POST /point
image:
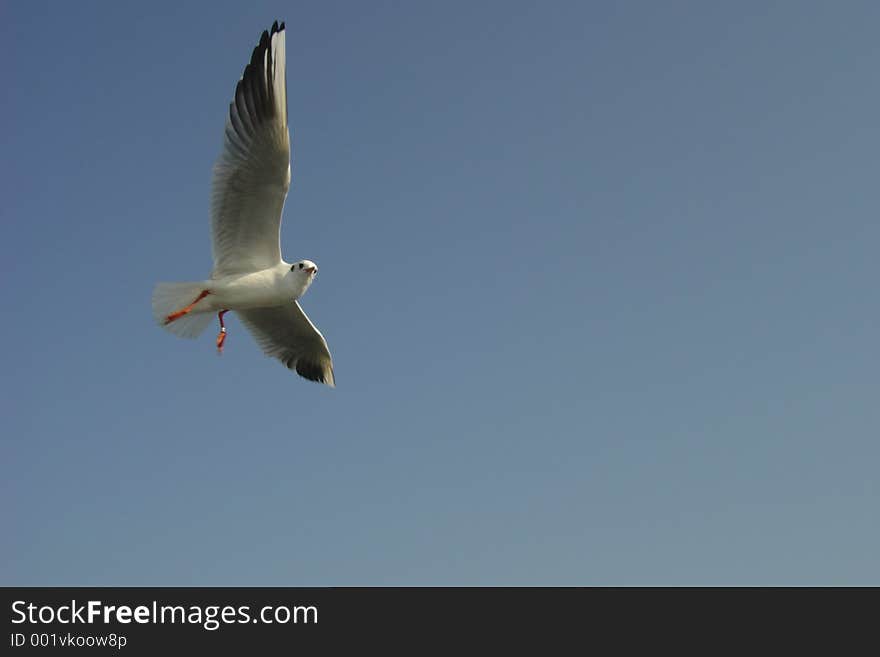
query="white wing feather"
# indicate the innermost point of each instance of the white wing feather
(286, 333)
(252, 174)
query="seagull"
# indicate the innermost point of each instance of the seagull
(249, 186)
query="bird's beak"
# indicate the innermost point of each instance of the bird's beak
(312, 270)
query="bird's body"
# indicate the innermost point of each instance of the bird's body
(251, 179)
(268, 287)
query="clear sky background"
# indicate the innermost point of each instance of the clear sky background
(600, 281)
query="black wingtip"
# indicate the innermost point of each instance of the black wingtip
(313, 371)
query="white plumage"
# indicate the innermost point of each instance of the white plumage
(250, 183)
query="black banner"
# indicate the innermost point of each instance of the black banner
(135, 621)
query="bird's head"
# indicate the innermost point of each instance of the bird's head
(301, 275)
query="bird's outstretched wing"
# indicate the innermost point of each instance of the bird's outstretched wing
(285, 333)
(252, 174)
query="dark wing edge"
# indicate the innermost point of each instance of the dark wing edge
(260, 95)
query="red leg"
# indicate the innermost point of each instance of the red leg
(221, 337)
(177, 314)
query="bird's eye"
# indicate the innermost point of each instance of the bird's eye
(292, 267)
(300, 265)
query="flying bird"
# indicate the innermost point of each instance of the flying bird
(249, 186)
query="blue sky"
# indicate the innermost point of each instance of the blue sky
(599, 280)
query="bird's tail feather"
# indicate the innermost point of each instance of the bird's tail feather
(169, 298)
